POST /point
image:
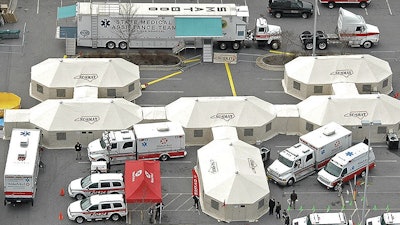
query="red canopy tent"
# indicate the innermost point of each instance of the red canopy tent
(142, 182)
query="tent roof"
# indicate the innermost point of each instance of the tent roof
(338, 69)
(85, 114)
(203, 112)
(142, 181)
(232, 172)
(350, 110)
(73, 72)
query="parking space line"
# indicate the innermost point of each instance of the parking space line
(228, 72)
(390, 10)
(183, 205)
(179, 195)
(179, 92)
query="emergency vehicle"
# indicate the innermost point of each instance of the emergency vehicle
(389, 218)
(146, 141)
(323, 219)
(347, 164)
(97, 183)
(22, 166)
(351, 30)
(331, 3)
(311, 154)
(98, 207)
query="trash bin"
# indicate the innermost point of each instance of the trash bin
(392, 141)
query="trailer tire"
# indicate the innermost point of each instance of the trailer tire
(306, 32)
(110, 45)
(123, 45)
(275, 45)
(164, 157)
(114, 217)
(79, 196)
(290, 182)
(236, 45)
(322, 45)
(278, 15)
(5, 202)
(308, 45)
(222, 46)
(79, 219)
(363, 5)
(367, 45)
(331, 5)
(305, 15)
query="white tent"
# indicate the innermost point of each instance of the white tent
(57, 78)
(198, 114)
(348, 111)
(310, 75)
(233, 183)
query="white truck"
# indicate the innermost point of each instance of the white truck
(388, 218)
(311, 154)
(323, 219)
(162, 25)
(351, 30)
(345, 165)
(22, 166)
(147, 141)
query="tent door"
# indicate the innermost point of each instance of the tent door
(86, 137)
(239, 212)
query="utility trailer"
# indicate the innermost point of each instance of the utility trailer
(351, 30)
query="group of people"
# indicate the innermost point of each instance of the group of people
(278, 208)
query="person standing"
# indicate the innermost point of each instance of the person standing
(340, 187)
(293, 199)
(196, 201)
(278, 210)
(78, 148)
(285, 217)
(271, 206)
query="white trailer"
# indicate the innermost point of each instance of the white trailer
(163, 25)
(22, 166)
(150, 141)
(351, 30)
(311, 154)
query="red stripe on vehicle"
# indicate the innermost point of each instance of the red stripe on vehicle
(18, 193)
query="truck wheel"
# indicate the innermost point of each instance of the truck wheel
(363, 5)
(278, 15)
(275, 45)
(306, 32)
(308, 45)
(164, 157)
(110, 45)
(222, 46)
(79, 197)
(367, 44)
(304, 15)
(122, 45)
(236, 45)
(79, 219)
(290, 182)
(322, 45)
(114, 217)
(331, 5)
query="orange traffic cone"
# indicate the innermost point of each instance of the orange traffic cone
(62, 192)
(60, 216)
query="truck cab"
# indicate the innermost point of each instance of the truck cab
(323, 219)
(267, 34)
(389, 218)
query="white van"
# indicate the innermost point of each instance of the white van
(322, 219)
(345, 165)
(98, 207)
(390, 218)
(97, 183)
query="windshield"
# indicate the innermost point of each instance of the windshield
(333, 169)
(86, 181)
(285, 161)
(308, 220)
(85, 203)
(383, 220)
(102, 143)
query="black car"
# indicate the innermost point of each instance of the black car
(278, 8)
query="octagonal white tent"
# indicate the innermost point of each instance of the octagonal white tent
(310, 75)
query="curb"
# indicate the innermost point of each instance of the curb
(260, 62)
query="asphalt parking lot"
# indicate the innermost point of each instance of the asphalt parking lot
(200, 80)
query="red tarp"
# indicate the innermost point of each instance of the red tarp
(142, 181)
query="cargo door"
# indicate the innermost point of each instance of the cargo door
(240, 32)
(238, 212)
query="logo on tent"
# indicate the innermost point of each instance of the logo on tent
(345, 72)
(358, 114)
(224, 116)
(88, 77)
(88, 119)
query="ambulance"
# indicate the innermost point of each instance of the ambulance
(98, 207)
(323, 219)
(347, 164)
(389, 218)
(22, 166)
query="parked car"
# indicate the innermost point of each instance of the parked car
(279, 8)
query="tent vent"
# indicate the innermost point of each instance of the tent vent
(213, 167)
(328, 131)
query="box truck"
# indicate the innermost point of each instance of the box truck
(338, 218)
(347, 164)
(351, 30)
(311, 154)
(388, 218)
(22, 166)
(146, 141)
(162, 25)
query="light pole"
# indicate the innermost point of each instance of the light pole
(315, 28)
(369, 124)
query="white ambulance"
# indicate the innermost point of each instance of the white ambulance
(97, 183)
(390, 218)
(345, 165)
(98, 207)
(323, 219)
(22, 166)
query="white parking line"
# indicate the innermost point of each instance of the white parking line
(387, 160)
(179, 92)
(37, 7)
(390, 10)
(274, 92)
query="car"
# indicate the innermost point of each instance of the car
(279, 8)
(98, 207)
(97, 183)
